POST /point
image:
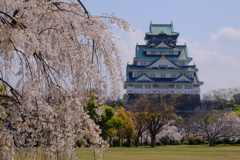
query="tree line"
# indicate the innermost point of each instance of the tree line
(152, 120)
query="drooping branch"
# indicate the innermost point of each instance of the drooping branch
(86, 12)
(47, 69)
(17, 50)
(13, 91)
(13, 21)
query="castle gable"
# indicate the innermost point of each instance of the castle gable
(162, 45)
(162, 62)
(143, 77)
(183, 78)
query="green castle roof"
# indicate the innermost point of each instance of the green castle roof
(156, 29)
(140, 54)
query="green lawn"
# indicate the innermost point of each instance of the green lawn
(181, 152)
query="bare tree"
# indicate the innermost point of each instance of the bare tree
(219, 99)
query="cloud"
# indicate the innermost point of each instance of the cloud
(227, 33)
(227, 40)
(126, 45)
(204, 55)
(218, 61)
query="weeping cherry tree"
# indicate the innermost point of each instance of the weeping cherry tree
(53, 52)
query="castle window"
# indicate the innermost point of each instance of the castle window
(163, 86)
(171, 86)
(147, 86)
(152, 75)
(179, 87)
(138, 86)
(188, 87)
(171, 53)
(162, 66)
(155, 86)
(136, 74)
(189, 75)
(143, 63)
(153, 52)
(173, 76)
(182, 64)
(163, 75)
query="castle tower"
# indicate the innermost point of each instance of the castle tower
(161, 66)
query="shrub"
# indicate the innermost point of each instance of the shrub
(186, 142)
(190, 140)
(194, 140)
(159, 143)
(126, 144)
(146, 143)
(198, 140)
(80, 143)
(177, 143)
(218, 141)
(238, 141)
(115, 143)
(226, 141)
(165, 140)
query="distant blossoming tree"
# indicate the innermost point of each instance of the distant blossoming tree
(170, 131)
(214, 125)
(52, 52)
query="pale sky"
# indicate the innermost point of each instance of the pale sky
(210, 28)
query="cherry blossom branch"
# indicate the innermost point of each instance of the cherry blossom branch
(86, 12)
(13, 91)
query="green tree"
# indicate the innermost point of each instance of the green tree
(236, 108)
(139, 127)
(128, 129)
(107, 121)
(155, 112)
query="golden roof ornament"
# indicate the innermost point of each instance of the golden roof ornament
(171, 22)
(152, 45)
(185, 43)
(150, 22)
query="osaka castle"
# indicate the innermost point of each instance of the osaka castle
(161, 66)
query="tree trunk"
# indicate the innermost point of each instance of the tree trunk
(128, 141)
(137, 142)
(110, 141)
(153, 139)
(211, 142)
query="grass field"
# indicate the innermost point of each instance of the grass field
(181, 152)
